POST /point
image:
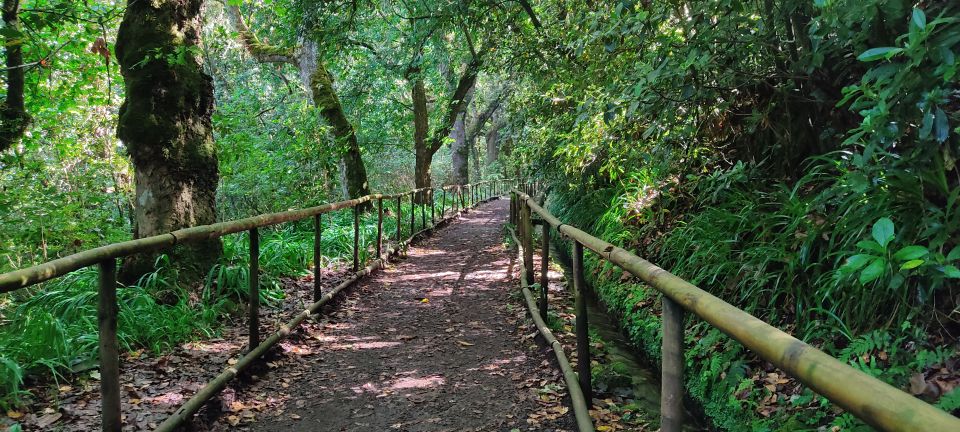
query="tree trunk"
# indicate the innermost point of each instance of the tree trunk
(421, 177)
(317, 79)
(460, 153)
(165, 125)
(493, 135)
(13, 114)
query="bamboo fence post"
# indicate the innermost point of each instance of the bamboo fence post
(399, 223)
(544, 267)
(527, 240)
(423, 210)
(254, 289)
(583, 338)
(317, 231)
(379, 228)
(107, 309)
(433, 209)
(443, 204)
(413, 214)
(671, 399)
(356, 239)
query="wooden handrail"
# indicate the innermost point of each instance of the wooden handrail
(869, 399)
(105, 257)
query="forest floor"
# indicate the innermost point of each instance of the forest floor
(433, 342)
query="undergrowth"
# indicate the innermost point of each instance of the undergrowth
(811, 257)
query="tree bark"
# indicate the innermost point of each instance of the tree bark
(424, 157)
(319, 82)
(317, 79)
(13, 114)
(492, 138)
(460, 153)
(165, 125)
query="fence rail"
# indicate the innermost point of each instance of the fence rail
(869, 399)
(463, 196)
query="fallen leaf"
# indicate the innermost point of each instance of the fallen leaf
(464, 343)
(14, 414)
(48, 420)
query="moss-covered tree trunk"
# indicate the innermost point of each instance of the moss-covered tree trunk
(460, 153)
(319, 82)
(165, 125)
(317, 79)
(422, 176)
(492, 140)
(13, 113)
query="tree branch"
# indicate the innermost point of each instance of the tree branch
(260, 51)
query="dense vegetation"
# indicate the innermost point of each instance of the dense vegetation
(798, 159)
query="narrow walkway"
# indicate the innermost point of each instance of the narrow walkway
(433, 343)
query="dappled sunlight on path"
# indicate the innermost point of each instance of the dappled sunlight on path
(431, 343)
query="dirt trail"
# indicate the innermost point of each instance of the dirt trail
(432, 343)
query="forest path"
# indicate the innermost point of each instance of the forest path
(432, 343)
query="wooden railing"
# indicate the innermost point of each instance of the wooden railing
(869, 399)
(105, 257)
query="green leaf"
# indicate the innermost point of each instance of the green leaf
(910, 253)
(927, 125)
(954, 253)
(941, 126)
(919, 19)
(871, 246)
(873, 271)
(883, 231)
(951, 272)
(911, 264)
(874, 54)
(856, 262)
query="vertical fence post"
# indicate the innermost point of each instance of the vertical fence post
(671, 398)
(527, 239)
(423, 210)
(379, 228)
(356, 239)
(107, 309)
(317, 230)
(433, 209)
(399, 223)
(544, 267)
(413, 213)
(254, 290)
(583, 338)
(443, 203)
(456, 199)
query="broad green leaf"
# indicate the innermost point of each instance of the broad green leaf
(919, 19)
(896, 281)
(874, 54)
(871, 246)
(941, 126)
(951, 272)
(954, 253)
(911, 264)
(910, 253)
(883, 231)
(856, 262)
(873, 271)
(926, 125)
